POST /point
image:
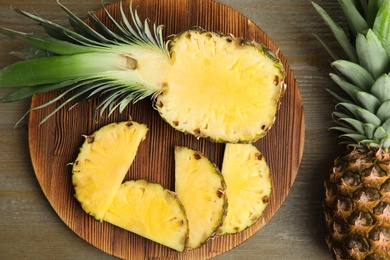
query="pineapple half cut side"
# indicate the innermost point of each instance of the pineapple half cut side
(248, 187)
(102, 163)
(201, 188)
(151, 211)
(204, 83)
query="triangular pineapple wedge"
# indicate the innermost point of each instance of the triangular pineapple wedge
(248, 186)
(102, 164)
(201, 188)
(150, 210)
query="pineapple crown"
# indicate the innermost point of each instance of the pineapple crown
(362, 113)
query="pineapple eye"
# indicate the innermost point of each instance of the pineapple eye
(265, 199)
(276, 80)
(197, 156)
(358, 243)
(90, 139)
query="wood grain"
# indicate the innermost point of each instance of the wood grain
(55, 144)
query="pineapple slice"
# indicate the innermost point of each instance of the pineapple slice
(201, 189)
(248, 186)
(102, 164)
(151, 211)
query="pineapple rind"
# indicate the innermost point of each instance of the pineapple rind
(248, 187)
(102, 164)
(151, 211)
(357, 205)
(201, 188)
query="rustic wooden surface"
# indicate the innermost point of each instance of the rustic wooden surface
(30, 229)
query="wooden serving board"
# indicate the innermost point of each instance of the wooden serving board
(55, 144)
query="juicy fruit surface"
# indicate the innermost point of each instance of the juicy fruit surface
(102, 164)
(248, 186)
(200, 187)
(151, 211)
(221, 87)
(357, 206)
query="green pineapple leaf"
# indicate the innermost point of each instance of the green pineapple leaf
(380, 133)
(356, 137)
(372, 55)
(358, 125)
(345, 130)
(381, 88)
(386, 126)
(382, 25)
(338, 33)
(349, 88)
(355, 20)
(338, 97)
(372, 10)
(327, 47)
(368, 101)
(384, 110)
(369, 117)
(354, 73)
(369, 130)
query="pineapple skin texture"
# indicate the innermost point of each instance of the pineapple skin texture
(357, 206)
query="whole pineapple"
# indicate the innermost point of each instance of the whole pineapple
(357, 200)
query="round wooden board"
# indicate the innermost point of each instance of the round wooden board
(55, 144)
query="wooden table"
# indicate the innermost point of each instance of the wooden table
(30, 229)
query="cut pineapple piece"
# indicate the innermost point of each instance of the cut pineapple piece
(151, 211)
(221, 87)
(201, 189)
(102, 164)
(248, 186)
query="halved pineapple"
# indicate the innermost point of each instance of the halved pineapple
(248, 186)
(221, 87)
(201, 188)
(102, 164)
(150, 210)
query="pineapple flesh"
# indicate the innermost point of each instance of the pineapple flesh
(203, 83)
(357, 192)
(151, 211)
(102, 163)
(201, 188)
(248, 186)
(221, 87)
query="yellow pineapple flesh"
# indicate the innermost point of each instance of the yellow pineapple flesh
(102, 163)
(151, 211)
(221, 87)
(248, 186)
(201, 188)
